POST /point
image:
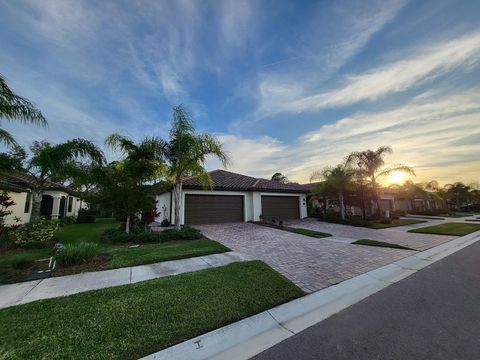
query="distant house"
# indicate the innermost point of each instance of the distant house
(390, 199)
(234, 198)
(58, 201)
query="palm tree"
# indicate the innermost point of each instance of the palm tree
(458, 193)
(52, 162)
(187, 152)
(14, 107)
(372, 163)
(339, 179)
(131, 190)
(320, 192)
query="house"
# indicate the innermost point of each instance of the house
(390, 199)
(58, 201)
(234, 198)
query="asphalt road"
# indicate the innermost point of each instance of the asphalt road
(433, 314)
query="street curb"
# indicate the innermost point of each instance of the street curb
(248, 337)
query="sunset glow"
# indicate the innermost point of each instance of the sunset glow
(397, 177)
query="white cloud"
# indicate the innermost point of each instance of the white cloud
(428, 133)
(260, 156)
(317, 58)
(423, 66)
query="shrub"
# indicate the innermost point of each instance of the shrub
(38, 233)
(67, 220)
(385, 221)
(398, 213)
(138, 236)
(76, 254)
(87, 212)
(85, 219)
(434, 212)
(22, 262)
(165, 223)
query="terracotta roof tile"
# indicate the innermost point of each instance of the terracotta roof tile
(229, 181)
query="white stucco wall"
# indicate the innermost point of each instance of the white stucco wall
(163, 207)
(252, 203)
(18, 209)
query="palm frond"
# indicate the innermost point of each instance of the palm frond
(398, 167)
(14, 107)
(7, 138)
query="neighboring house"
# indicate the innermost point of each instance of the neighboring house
(234, 198)
(390, 199)
(58, 201)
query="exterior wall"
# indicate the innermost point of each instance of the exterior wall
(252, 203)
(18, 209)
(163, 207)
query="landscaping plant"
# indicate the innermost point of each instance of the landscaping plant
(40, 232)
(76, 254)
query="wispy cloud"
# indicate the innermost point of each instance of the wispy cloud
(317, 58)
(410, 71)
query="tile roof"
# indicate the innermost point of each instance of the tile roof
(19, 182)
(229, 181)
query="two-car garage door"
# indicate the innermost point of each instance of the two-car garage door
(211, 209)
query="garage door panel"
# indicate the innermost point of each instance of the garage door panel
(280, 207)
(212, 209)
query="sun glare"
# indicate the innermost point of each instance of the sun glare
(398, 177)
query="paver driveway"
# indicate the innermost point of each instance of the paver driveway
(396, 235)
(310, 263)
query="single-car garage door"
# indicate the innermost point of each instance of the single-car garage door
(211, 209)
(280, 207)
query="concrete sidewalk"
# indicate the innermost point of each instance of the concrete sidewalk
(16, 294)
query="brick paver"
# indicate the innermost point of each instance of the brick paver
(310, 263)
(396, 235)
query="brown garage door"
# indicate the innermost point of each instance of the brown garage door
(211, 209)
(280, 207)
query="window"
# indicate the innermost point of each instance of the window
(70, 203)
(28, 199)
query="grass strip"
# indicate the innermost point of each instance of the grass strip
(131, 321)
(456, 229)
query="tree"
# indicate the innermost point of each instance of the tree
(187, 152)
(128, 186)
(457, 193)
(52, 162)
(371, 164)
(14, 107)
(413, 191)
(280, 178)
(340, 180)
(320, 192)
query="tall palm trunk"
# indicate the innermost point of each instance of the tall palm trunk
(127, 224)
(375, 193)
(342, 205)
(36, 204)
(177, 192)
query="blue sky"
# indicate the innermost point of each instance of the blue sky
(289, 86)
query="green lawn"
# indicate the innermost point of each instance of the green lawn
(369, 242)
(307, 232)
(131, 321)
(18, 266)
(147, 254)
(395, 223)
(85, 232)
(458, 229)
